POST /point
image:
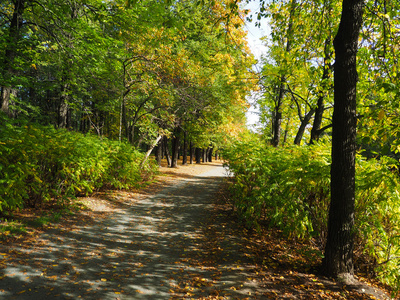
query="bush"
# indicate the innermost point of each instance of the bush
(289, 188)
(41, 163)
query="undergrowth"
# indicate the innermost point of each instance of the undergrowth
(40, 164)
(289, 188)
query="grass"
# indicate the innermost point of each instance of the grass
(26, 221)
(10, 228)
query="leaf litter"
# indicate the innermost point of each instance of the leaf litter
(220, 259)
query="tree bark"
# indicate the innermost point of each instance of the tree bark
(166, 151)
(155, 142)
(159, 153)
(210, 154)
(282, 85)
(319, 111)
(191, 153)
(63, 108)
(175, 148)
(185, 148)
(204, 155)
(304, 122)
(8, 70)
(278, 114)
(338, 260)
(198, 155)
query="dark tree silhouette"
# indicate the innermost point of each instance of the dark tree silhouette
(338, 261)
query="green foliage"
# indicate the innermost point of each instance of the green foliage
(41, 163)
(47, 219)
(11, 228)
(125, 69)
(290, 189)
(377, 216)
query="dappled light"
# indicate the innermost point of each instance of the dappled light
(127, 170)
(183, 241)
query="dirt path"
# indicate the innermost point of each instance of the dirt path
(141, 251)
(173, 242)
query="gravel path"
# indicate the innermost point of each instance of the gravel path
(161, 246)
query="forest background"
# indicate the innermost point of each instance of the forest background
(90, 88)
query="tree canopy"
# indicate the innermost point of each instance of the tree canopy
(308, 70)
(125, 69)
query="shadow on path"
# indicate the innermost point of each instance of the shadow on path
(140, 252)
(179, 243)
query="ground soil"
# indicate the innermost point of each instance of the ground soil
(175, 238)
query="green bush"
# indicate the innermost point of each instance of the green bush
(41, 163)
(378, 216)
(289, 187)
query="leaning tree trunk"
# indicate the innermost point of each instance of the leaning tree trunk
(338, 260)
(153, 144)
(304, 122)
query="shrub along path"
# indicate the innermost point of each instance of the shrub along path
(176, 239)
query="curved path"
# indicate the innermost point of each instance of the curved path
(163, 246)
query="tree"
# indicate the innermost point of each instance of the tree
(338, 260)
(126, 69)
(12, 41)
(306, 68)
(282, 85)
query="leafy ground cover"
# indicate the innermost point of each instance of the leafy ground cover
(274, 267)
(39, 164)
(289, 188)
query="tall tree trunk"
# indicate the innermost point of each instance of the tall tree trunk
(210, 153)
(64, 107)
(7, 69)
(338, 260)
(185, 148)
(204, 155)
(175, 148)
(198, 155)
(166, 151)
(122, 117)
(159, 153)
(191, 153)
(319, 111)
(282, 85)
(6, 95)
(278, 114)
(6, 104)
(286, 131)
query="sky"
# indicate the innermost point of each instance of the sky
(258, 49)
